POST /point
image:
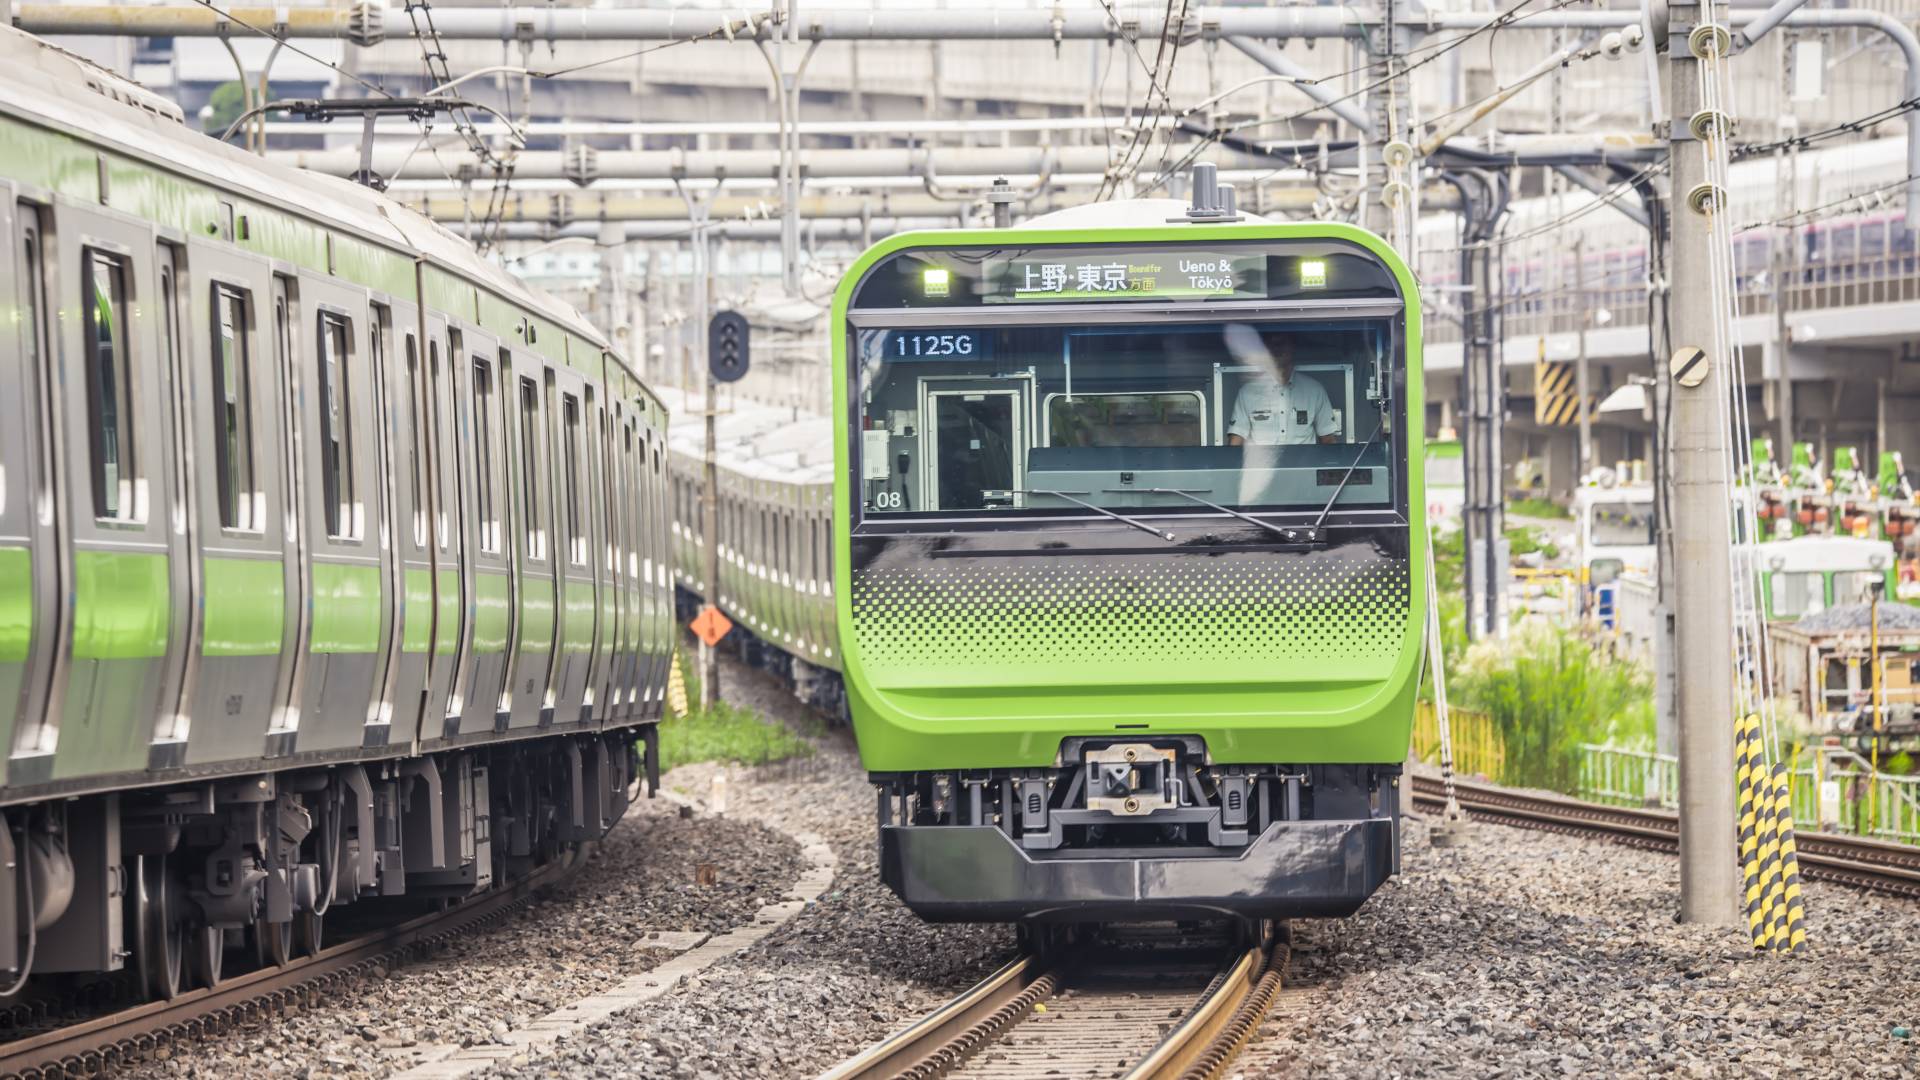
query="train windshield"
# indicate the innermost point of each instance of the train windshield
(1251, 415)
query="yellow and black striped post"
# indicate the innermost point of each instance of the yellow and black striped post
(676, 687)
(1746, 765)
(1790, 931)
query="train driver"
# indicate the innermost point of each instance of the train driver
(1275, 408)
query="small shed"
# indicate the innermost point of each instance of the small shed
(1821, 667)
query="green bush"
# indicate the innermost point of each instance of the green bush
(1548, 690)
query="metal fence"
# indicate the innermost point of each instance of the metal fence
(1621, 777)
(1832, 789)
(1477, 746)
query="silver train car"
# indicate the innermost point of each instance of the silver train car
(333, 561)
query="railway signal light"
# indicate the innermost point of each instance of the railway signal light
(727, 337)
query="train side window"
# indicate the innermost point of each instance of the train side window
(530, 454)
(109, 397)
(570, 475)
(443, 443)
(414, 478)
(482, 450)
(233, 409)
(336, 427)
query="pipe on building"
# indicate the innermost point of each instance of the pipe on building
(369, 25)
(395, 162)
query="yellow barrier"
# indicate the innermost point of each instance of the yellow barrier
(1477, 748)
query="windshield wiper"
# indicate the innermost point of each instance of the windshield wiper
(1335, 497)
(1292, 536)
(1122, 518)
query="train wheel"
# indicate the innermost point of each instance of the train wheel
(163, 933)
(307, 926)
(273, 942)
(206, 954)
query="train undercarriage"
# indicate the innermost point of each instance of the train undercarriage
(170, 885)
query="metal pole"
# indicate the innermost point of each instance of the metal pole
(1698, 453)
(1582, 387)
(710, 471)
(1782, 341)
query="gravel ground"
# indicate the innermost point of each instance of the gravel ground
(1529, 954)
(577, 939)
(842, 975)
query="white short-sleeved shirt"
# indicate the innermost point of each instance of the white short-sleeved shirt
(1269, 414)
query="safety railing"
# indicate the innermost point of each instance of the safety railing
(1839, 791)
(1831, 788)
(1618, 776)
(1477, 747)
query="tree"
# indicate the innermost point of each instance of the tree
(229, 100)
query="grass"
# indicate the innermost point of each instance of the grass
(1539, 508)
(724, 733)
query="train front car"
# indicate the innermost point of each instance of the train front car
(1131, 562)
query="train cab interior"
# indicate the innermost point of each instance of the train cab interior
(1180, 416)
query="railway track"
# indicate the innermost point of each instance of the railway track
(1151, 1004)
(1848, 860)
(101, 1044)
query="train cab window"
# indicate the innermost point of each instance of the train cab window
(109, 397)
(233, 409)
(415, 480)
(570, 476)
(336, 428)
(1269, 415)
(530, 454)
(487, 516)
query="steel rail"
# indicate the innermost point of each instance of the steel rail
(1209, 1036)
(95, 1046)
(1858, 861)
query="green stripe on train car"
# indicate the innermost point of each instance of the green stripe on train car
(492, 611)
(418, 588)
(119, 605)
(576, 628)
(346, 608)
(16, 603)
(446, 602)
(246, 607)
(536, 613)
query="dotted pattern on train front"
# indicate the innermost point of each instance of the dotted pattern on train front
(1326, 607)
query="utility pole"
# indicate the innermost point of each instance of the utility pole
(710, 471)
(1582, 387)
(1698, 453)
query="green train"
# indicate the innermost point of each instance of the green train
(1121, 555)
(333, 561)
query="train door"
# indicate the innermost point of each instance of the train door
(973, 449)
(443, 450)
(616, 444)
(654, 517)
(600, 510)
(489, 591)
(111, 396)
(245, 617)
(342, 661)
(34, 573)
(388, 699)
(409, 421)
(534, 559)
(570, 401)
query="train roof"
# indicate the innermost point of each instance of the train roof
(753, 440)
(1124, 214)
(106, 109)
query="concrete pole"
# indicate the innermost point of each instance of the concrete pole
(1699, 498)
(1582, 387)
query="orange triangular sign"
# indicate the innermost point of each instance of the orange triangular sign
(710, 626)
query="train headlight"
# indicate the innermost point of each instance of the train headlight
(936, 281)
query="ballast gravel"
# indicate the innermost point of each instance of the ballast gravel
(845, 973)
(1529, 954)
(645, 878)
(1519, 954)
